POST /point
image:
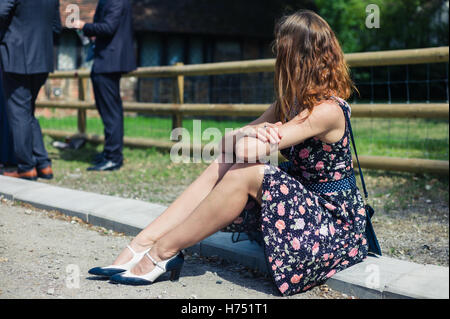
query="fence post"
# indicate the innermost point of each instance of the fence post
(178, 98)
(82, 96)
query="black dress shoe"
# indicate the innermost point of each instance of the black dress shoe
(106, 165)
(98, 158)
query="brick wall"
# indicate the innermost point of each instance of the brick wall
(87, 9)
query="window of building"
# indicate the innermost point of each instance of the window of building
(227, 50)
(151, 50)
(68, 52)
(175, 50)
(195, 55)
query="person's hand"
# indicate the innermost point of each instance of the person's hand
(266, 132)
(79, 24)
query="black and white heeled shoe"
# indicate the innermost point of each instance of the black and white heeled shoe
(111, 270)
(173, 264)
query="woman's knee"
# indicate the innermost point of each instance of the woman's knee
(248, 175)
(217, 169)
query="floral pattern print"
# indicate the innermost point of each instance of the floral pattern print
(307, 237)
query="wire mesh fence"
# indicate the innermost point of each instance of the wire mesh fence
(409, 138)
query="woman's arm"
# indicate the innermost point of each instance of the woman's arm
(326, 121)
(268, 118)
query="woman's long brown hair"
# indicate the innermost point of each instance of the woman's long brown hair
(309, 66)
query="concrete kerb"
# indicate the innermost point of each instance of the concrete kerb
(376, 277)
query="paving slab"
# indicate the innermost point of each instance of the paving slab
(124, 215)
(427, 280)
(376, 277)
(244, 252)
(51, 197)
(9, 186)
(373, 275)
(116, 213)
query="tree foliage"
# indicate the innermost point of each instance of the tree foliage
(403, 23)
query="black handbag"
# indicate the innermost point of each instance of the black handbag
(372, 241)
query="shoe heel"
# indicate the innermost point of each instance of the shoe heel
(175, 274)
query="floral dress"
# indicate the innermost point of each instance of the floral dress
(307, 236)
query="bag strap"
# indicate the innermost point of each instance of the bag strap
(347, 118)
(372, 241)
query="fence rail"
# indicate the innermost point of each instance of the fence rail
(413, 110)
(178, 108)
(378, 58)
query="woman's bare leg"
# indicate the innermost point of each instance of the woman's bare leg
(179, 210)
(218, 209)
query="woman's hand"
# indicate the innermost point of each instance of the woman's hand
(253, 142)
(265, 132)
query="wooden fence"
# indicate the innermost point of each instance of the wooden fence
(178, 109)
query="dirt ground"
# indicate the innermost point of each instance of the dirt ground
(411, 216)
(47, 255)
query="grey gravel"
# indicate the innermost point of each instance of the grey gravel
(47, 255)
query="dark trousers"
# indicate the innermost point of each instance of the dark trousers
(6, 143)
(21, 91)
(109, 105)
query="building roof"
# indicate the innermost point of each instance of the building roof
(225, 17)
(255, 18)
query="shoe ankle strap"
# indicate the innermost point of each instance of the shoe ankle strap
(131, 249)
(154, 261)
(136, 253)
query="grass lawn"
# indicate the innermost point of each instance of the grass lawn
(411, 217)
(410, 138)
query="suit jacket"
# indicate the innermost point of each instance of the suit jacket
(113, 29)
(27, 30)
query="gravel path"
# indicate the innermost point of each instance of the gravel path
(47, 255)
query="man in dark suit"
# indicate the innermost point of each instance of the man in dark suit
(6, 144)
(113, 56)
(27, 28)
